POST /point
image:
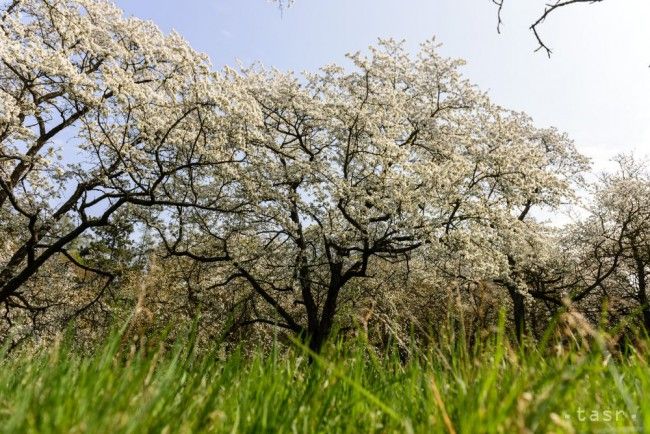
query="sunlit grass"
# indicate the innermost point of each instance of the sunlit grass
(492, 387)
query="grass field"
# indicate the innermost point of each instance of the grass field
(349, 388)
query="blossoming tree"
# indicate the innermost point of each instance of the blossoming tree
(612, 244)
(345, 169)
(96, 111)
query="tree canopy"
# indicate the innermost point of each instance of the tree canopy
(276, 199)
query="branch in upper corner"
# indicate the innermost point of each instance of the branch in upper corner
(549, 9)
(499, 4)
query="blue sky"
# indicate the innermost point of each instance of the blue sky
(596, 86)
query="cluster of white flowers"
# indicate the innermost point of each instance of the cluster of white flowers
(611, 246)
(343, 168)
(97, 111)
(295, 184)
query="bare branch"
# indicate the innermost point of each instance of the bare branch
(550, 8)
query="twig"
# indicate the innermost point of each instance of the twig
(549, 9)
(499, 3)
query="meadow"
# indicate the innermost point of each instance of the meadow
(193, 242)
(575, 384)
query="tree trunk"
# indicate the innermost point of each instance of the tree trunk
(316, 341)
(318, 335)
(642, 295)
(519, 311)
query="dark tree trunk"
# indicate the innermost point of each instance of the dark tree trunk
(316, 341)
(519, 311)
(316, 338)
(318, 335)
(642, 294)
(518, 303)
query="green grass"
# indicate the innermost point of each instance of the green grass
(493, 387)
